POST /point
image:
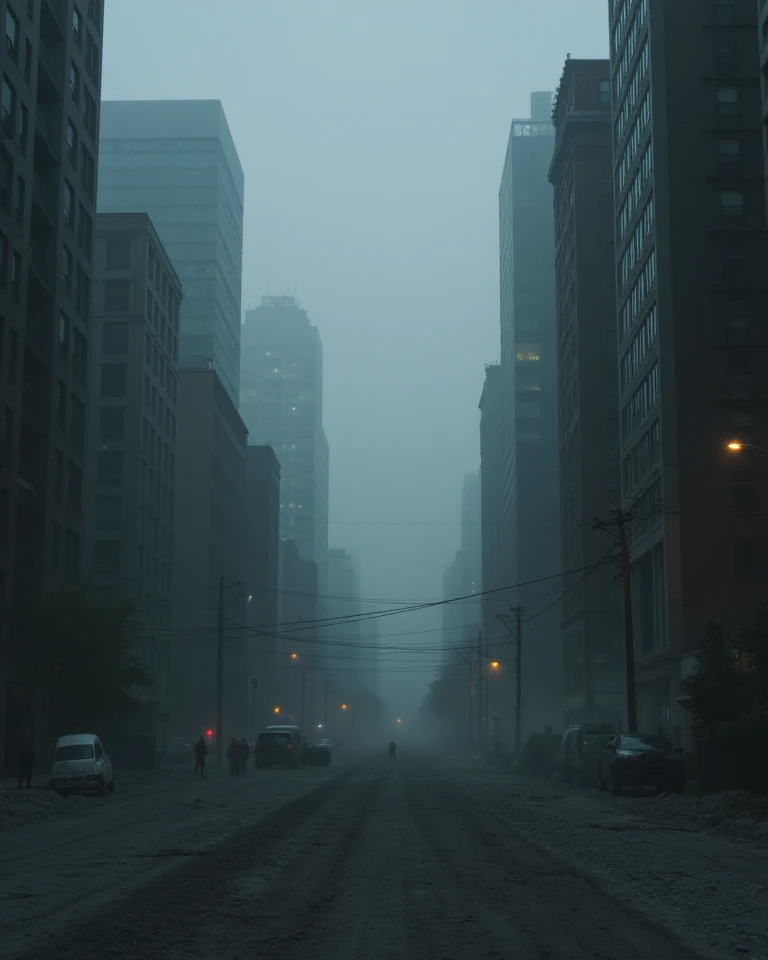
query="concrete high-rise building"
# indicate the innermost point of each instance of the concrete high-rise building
(262, 566)
(691, 301)
(176, 161)
(281, 401)
(131, 435)
(529, 389)
(581, 173)
(211, 527)
(301, 678)
(50, 88)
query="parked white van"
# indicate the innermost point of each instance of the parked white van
(81, 765)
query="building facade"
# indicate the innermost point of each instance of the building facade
(131, 432)
(587, 372)
(281, 401)
(176, 161)
(762, 18)
(50, 88)
(691, 298)
(529, 389)
(262, 560)
(209, 547)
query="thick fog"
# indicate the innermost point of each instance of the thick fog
(372, 136)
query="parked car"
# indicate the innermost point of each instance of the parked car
(289, 728)
(81, 765)
(577, 760)
(317, 754)
(641, 760)
(278, 748)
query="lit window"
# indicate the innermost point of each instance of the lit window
(528, 352)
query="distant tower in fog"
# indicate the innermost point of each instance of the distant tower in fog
(281, 402)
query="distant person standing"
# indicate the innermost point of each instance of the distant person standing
(201, 749)
(392, 750)
(244, 754)
(233, 755)
(26, 761)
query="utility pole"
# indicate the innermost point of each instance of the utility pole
(487, 678)
(629, 629)
(469, 695)
(254, 684)
(303, 687)
(518, 678)
(479, 687)
(220, 676)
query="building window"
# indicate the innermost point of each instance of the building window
(72, 143)
(112, 424)
(84, 231)
(87, 171)
(527, 352)
(117, 296)
(19, 195)
(74, 502)
(6, 181)
(61, 405)
(77, 422)
(109, 513)
(23, 129)
(7, 110)
(13, 355)
(118, 254)
(725, 53)
(745, 559)
(74, 82)
(110, 468)
(727, 101)
(723, 12)
(605, 91)
(76, 22)
(114, 379)
(16, 276)
(732, 203)
(115, 337)
(89, 113)
(83, 293)
(106, 557)
(66, 269)
(80, 357)
(68, 206)
(736, 321)
(12, 36)
(528, 409)
(730, 156)
(71, 552)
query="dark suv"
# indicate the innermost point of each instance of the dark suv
(641, 760)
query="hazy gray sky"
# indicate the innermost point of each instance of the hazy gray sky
(372, 136)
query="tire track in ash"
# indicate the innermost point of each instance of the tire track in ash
(514, 900)
(194, 908)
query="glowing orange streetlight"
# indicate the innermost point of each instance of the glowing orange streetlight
(495, 664)
(735, 445)
(343, 706)
(399, 720)
(294, 656)
(276, 710)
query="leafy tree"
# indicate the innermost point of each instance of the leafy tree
(716, 685)
(79, 651)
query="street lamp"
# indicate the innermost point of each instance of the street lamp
(736, 446)
(343, 706)
(494, 664)
(399, 720)
(276, 710)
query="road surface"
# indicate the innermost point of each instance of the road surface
(384, 860)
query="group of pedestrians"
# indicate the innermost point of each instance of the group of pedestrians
(237, 754)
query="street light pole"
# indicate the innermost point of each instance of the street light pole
(220, 675)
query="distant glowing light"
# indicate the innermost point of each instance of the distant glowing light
(294, 656)
(494, 664)
(735, 445)
(276, 710)
(343, 706)
(399, 720)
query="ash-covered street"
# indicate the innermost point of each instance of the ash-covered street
(370, 859)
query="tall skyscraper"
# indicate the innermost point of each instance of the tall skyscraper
(281, 401)
(176, 161)
(132, 397)
(691, 301)
(529, 388)
(50, 87)
(593, 628)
